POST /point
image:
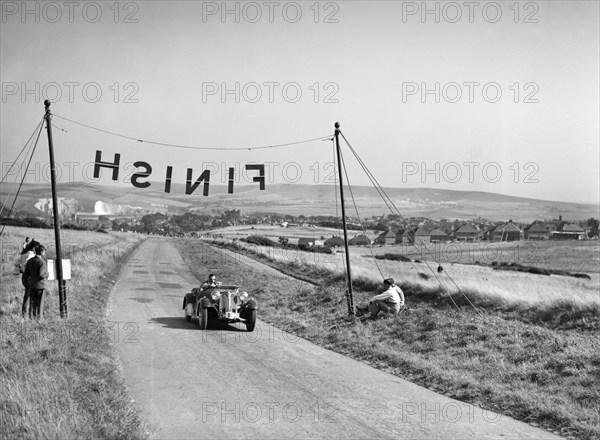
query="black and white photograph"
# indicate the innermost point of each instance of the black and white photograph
(300, 219)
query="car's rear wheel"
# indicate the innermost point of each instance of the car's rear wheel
(189, 311)
(202, 318)
(251, 320)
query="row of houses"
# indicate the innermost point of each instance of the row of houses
(465, 232)
(538, 230)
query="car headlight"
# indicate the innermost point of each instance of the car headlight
(215, 295)
(243, 296)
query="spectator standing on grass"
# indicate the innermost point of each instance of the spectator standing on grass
(35, 275)
(27, 254)
(389, 301)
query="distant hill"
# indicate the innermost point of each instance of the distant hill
(294, 199)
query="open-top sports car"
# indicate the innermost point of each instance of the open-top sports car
(223, 303)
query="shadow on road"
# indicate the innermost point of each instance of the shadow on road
(180, 323)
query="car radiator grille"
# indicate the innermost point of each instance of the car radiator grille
(228, 302)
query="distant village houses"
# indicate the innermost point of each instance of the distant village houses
(537, 231)
(467, 233)
(359, 240)
(569, 232)
(335, 241)
(438, 236)
(386, 238)
(506, 232)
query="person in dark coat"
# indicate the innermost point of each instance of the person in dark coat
(35, 275)
(27, 254)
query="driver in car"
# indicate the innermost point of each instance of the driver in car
(210, 283)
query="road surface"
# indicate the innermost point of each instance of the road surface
(227, 383)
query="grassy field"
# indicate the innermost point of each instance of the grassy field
(534, 369)
(59, 378)
(571, 255)
(274, 232)
(558, 300)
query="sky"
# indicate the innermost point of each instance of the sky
(479, 96)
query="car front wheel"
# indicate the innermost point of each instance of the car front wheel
(188, 311)
(203, 318)
(251, 320)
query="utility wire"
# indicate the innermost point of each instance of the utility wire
(23, 179)
(22, 149)
(386, 199)
(192, 147)
(358, 215)
(29, 146)
(372, 177)
(422, 242)
(14, 183)
(425, 247)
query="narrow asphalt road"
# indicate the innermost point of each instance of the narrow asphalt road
(227, 383)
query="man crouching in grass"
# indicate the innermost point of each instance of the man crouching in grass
(389, 301)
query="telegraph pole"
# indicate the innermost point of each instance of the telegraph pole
(62, 286)
(349, 295)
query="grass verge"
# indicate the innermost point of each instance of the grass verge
(544, 376)
(60, 378)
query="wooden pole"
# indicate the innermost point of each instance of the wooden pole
(62, 287)
(349, 295)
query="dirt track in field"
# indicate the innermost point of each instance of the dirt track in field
(227, 383)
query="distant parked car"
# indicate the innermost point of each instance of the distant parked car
(224, 303)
